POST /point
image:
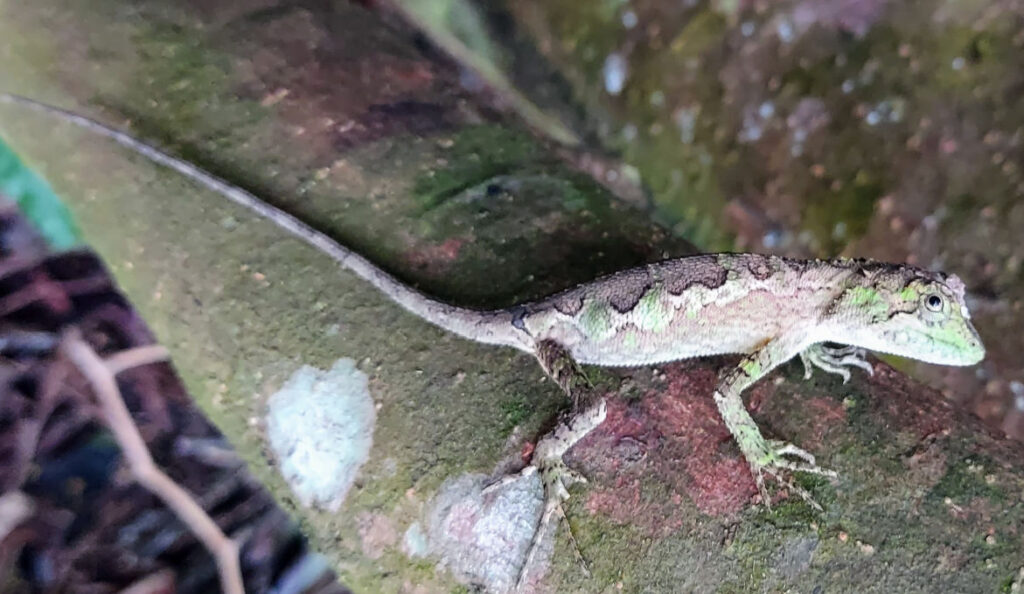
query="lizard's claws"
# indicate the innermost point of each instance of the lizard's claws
(772, 457)
(556, 477)
(787, 449)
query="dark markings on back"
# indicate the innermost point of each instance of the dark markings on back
(797, 266)
(626, 290)
(622, 290)
(680, 275)
(761, 267)
(569, 303)
(518, 313)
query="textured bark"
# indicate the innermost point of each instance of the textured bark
(344, 118)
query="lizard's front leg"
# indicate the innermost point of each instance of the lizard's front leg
(763, 455)
(834, 360)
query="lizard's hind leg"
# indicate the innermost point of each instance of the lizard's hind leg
(585, 415)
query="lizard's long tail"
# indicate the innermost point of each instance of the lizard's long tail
(491, 327)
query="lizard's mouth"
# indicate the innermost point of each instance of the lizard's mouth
(960, 347)
(961, 351)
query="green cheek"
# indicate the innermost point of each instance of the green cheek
(948, 334)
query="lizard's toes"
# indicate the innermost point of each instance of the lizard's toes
(571, 477)
(778, 459)
(782, 454)
(803, 467)
(508, 479)
(791, 486)
(758, 473)
(782, 448)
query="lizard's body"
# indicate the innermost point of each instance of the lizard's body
(694, 306)
(767, 308)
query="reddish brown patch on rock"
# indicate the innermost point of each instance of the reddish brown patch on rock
(821, 416)
(625, 438)
(527, 451)
(377, 533)
(716, 479)
(620, 451)
(673, 435)
(435, 258)
(926, 465)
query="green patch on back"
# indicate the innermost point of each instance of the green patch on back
(630, 338)
(651, 313)
(596, 320)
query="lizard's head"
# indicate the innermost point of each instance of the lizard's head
(909, 312)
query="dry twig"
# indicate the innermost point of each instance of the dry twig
(15, 508)
(135, 357)
(161, 582)
(116, 415)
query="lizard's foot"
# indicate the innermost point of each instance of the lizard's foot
(834, 360)
(556, 477)
(776, 458)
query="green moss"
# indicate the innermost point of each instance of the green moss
(794, 512)
(965, 480)
(598, 538)
(852, 205)
(513, 413)
(1006, 587)
(963, 208)
(477, 154)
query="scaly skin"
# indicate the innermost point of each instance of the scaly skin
(767, 308)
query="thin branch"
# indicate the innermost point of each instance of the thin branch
(143, 355)
(141, 464)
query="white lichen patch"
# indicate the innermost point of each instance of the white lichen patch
(414, 541)
(320, 427)
(483, 539)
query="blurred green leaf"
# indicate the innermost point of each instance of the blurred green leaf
(37, 201)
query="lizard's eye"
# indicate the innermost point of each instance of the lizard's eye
(933, 302)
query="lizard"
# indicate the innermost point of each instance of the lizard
(765, 308)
